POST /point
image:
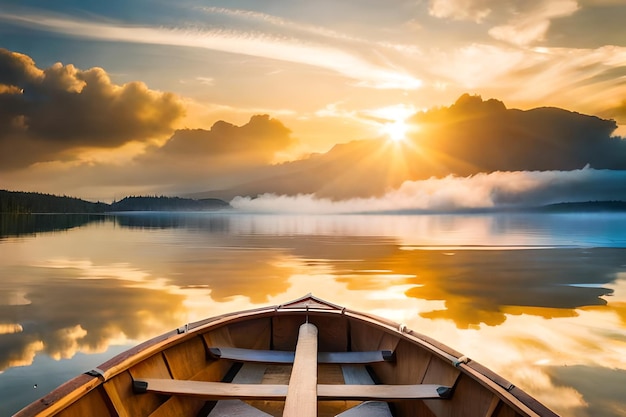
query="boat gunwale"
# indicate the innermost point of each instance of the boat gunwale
(61, 397)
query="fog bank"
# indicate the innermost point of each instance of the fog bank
(480, 191)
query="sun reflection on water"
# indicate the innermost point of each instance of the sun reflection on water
(532, 312)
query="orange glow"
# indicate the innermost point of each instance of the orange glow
(396, 130)
(393, 122)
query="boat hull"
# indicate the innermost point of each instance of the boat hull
(250, 361)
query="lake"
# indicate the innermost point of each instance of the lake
(538, 298)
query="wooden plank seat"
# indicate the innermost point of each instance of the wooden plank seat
(224, 390)
(303, 391)
(282, 356)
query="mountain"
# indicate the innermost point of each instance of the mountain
(469, 137)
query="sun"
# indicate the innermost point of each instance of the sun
(395, 130)
(393, 121)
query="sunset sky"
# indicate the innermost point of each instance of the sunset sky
(304, 100)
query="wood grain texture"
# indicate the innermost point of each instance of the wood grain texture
(301, 398)
(218, 337)
(181, 354)
(178, 406)
(252, 334)
(221, 390)
(186, 359)
(378, 392)
(215, 390)
(152, 367)
(469, 398)
(281, 356)
(334, 338)
(92, 404)
(126, 402)
(60, 398)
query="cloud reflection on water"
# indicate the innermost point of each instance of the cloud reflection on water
(124, 279)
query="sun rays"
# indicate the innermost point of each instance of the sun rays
(396, 130)
(393, 121)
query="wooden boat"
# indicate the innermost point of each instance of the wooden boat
(307, 357)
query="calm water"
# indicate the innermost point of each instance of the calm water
(540, 299)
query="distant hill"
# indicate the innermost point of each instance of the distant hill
(167, 204)
(587, 206)
(26, 202)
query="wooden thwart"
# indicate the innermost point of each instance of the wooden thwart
(382, 392)
(303, 391)
(223, 390)
(278, 356)
(211, 390)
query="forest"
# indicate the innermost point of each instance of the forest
(29, 202)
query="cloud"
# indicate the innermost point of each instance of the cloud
(190, 160)
(470, 137)
(276, 21)
(595, 24)
(475, 10)
(526, 22)
(261, 136)
(617, 112)
(483, 136)
(58, 291)
(533, 26)
(57, 112)
(196, 157)
(478, 65)
(485, 190)
(344, 61)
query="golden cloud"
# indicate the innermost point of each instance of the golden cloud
(53, 114)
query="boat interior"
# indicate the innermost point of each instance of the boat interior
(287, 361)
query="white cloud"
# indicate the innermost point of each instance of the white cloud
(290, 49)
(475, 10)
(279, 22)
(532, 26)
(206, 80)
(477, 65)
(496, 189)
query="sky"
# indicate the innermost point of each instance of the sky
(321, 106)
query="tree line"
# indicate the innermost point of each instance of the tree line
(28, 202)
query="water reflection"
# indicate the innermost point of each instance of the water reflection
(115, 280)
(59, 313)
(24, 224)
(602, 387)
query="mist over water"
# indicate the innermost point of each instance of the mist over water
(485, 190)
